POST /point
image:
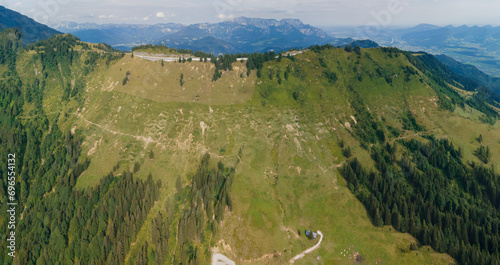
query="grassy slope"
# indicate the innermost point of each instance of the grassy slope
(162, 84)
(287, 178)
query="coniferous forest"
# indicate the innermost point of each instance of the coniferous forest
(62, 224)
(424, 187)
(430, 193)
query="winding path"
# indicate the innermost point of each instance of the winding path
(146, 140)
(309, 250)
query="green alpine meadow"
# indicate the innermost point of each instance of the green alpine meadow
(324, 154)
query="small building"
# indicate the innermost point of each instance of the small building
(308, 233)
(315, 235)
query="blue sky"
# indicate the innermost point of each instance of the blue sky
(315, 12)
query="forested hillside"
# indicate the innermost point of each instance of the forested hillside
(372, 147)
(471, 72)
(48, 158)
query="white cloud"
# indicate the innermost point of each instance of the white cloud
(224, 16)
(146, 18)
(106, 17)
(165, 15)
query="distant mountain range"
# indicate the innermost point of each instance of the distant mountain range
(235, 36)
(120, 36)
(474, 45)
(32, 31)
(238, 35)
(251, 35)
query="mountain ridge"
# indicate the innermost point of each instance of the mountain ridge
(243, 34)
(70, 26)
(120, 36)
(251, 34)
(32, 31)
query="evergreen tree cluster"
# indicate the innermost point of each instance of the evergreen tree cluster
(256, 61)
(57, 56)
(330, 76)
(12, 132)
(367, 128)
(10, 43)
(410, 123)
(223, 63)
(207, 199)
(442, 77)
(483, 153)
(159, 238)
(431, 194)
(480, 102)
(318, 48)
(161, 47)
(442, 74)
(93, 226)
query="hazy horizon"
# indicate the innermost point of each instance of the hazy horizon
(320, 13)
(320, 26)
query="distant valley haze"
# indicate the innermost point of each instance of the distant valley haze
(318, 12)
